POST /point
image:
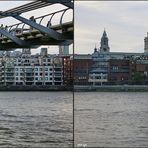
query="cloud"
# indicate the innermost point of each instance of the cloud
(126, 24)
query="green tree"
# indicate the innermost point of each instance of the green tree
(137, 78)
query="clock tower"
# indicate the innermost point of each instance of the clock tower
(104, 48)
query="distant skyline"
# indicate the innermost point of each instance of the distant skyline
(5, 5)
(126, 24)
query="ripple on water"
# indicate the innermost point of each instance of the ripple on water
(111, 119)
(35, 119)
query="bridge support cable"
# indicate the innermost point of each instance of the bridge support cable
(13, 38)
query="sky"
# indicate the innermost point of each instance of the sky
(126, 24)
(6, 5)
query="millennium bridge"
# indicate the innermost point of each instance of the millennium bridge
(42, 30)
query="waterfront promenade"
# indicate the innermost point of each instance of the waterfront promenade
(34, 88)
(111, 88)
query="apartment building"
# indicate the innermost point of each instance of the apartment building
(27, 69)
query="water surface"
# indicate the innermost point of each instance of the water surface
(116, 119)
(36, 119)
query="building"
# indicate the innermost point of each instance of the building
(27, 69)
(82, 68)
(106, 67)
(67, 70)
(119, 71)
(140, 70)
(64, 50)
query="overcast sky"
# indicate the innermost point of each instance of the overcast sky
(6, 5)
(125, 22)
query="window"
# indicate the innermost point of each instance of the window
(104, 49)
(115, 67)
(98, 77)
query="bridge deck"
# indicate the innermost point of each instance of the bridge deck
(18, 36)
(36, 38)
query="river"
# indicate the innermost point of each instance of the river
(36, 119)
(111, 119)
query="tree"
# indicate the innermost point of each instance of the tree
(138, 78)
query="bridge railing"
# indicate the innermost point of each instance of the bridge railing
(56, 18)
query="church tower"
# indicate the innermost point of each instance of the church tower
(146, 44)
(104, 43)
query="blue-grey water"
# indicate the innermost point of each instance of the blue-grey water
(36, 119)
(111, 119)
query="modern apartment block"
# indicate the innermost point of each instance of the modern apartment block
(27, 69)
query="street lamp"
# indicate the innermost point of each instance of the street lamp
(101, 75)
(93, 79)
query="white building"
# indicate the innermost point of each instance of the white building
(27, 69)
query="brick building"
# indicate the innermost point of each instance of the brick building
(82, 67)
(67, 70)
(119, 71)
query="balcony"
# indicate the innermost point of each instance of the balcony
(58, 80)
(29, 75)
(9, 71)
(58, 75)
(119, 71)
(97, 80)
(58, 69)
(8, 80)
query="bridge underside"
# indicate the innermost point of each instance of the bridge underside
(35, 38)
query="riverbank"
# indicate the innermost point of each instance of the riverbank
(112, 88)
(79, 88)
(35, 88)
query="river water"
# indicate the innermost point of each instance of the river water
(36, 119)
(104, 119)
